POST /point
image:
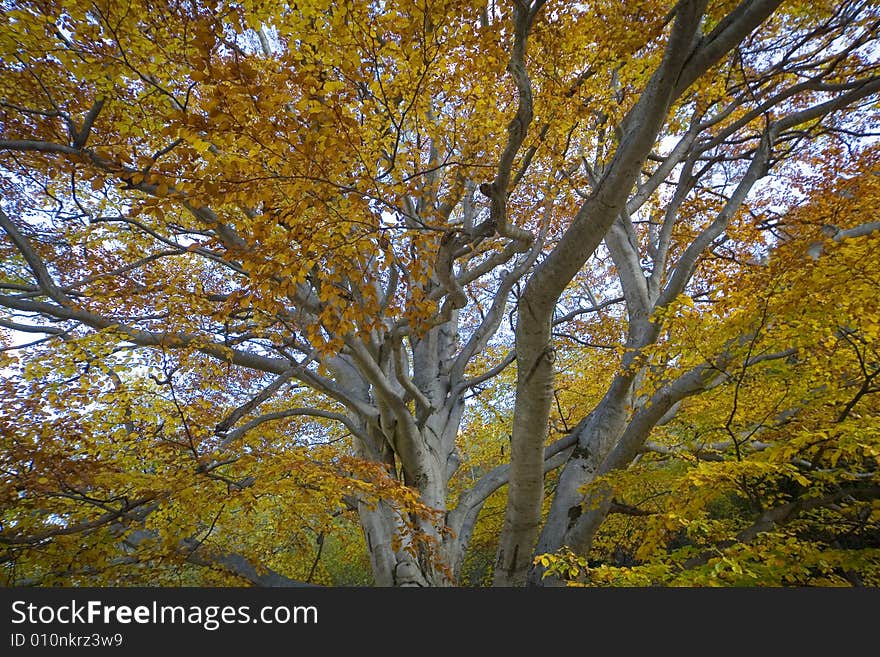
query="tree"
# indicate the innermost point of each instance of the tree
(770, 477)
(245, 231)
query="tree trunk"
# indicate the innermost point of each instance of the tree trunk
(686, 57)
(534, 392)
(596, 435)
(413, 550)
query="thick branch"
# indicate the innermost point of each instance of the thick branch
(241, 566)
(230, 420)
(149, 338)
(485, 376)
(37, 146)
(517, 129)
(237, 434)
(687, 263)
(729, 32)
(83, 136)
(498, 477)
(38, 267)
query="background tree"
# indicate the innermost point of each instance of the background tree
(272, 252)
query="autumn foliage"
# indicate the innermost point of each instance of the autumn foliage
(439, 293)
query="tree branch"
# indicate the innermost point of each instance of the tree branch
(88, 122)
(485, 376)
(237, 434)
(36, 264)
(230, 420)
